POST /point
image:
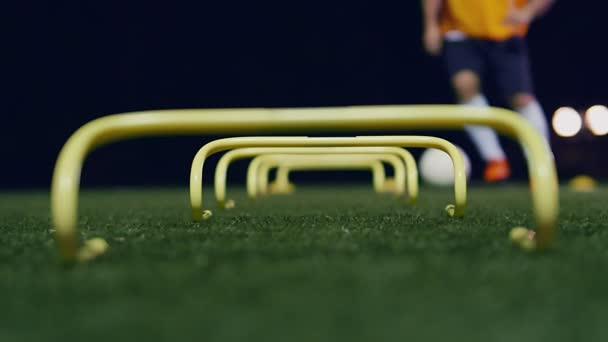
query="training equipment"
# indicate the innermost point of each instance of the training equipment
(196, 172)
(206, 214)
(257, 182)
(259, 169)
(114, 128)
(523, 238)
(518, 234)
(283, 185)
(436, 167)
(92, 249)
(229, 204)
(582, 183)
(527, 245)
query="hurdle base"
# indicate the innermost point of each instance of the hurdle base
(277, 188)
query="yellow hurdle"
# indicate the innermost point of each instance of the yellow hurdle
(113, 128)
(258, 170)
(408, 160)
(196, 172)
(395, 185)
(282, 185)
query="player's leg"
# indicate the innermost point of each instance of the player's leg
(466, 84)
(527, 105)
(510, 58)
(464, 63)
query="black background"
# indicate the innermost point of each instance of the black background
(67, 62)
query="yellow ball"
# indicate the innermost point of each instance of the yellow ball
(518, 234)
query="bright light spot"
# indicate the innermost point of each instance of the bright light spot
(596, 119)
(567, 122)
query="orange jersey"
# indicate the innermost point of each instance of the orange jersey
(481, 18)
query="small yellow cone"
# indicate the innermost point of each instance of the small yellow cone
(582, 183)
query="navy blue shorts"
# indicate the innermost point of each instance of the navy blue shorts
(507, 61)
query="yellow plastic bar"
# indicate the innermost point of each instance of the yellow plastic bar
(221, 171)
(113, 128)
(258, 182)
(196, 172)
(282, 184)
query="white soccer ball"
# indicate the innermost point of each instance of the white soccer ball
(436, 167)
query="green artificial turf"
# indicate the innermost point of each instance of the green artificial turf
(326, 264)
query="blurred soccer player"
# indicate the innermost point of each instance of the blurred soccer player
(475, 36)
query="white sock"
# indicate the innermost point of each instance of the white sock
(484, 138)
(533, 112)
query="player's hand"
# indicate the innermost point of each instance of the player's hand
(432, 40)
(519, 17)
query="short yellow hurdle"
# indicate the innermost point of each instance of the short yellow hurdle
(113, 128)
(258, 170)
(408, 161)
(196, 172)
(395, 184)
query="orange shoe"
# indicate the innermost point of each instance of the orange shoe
(497, 171)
